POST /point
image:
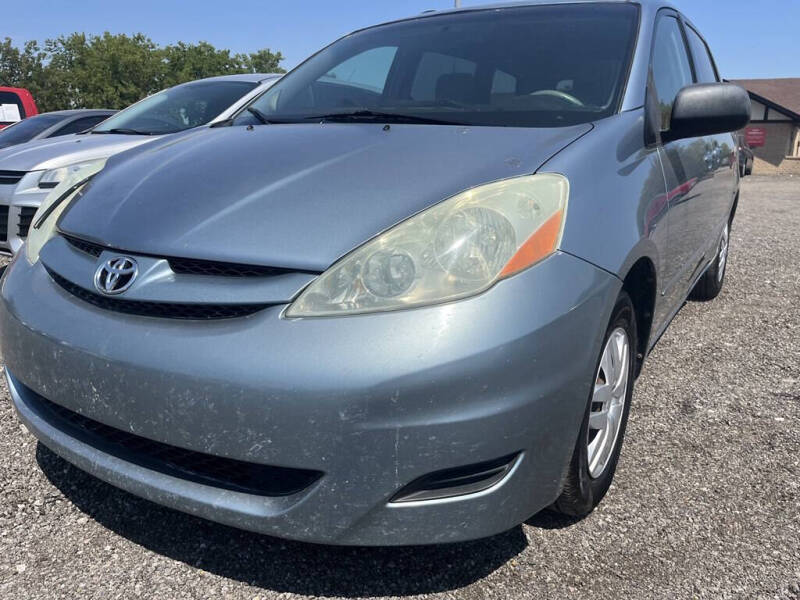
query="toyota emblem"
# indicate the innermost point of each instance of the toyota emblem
(116, 275)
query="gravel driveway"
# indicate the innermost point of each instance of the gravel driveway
(706, 501)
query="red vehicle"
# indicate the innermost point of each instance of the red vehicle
(15, 104)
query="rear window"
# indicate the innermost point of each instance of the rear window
(26, 130)
(533, 66)
(79, 125)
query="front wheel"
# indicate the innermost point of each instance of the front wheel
(596, 453)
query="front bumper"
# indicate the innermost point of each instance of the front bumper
(373, 402)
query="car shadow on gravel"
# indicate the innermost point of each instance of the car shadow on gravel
(274, 564)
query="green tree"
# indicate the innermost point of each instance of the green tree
(20, 66)
(185, 62)
(114, 71)
(263, 61)
(108, 71)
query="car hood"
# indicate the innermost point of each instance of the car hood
(294, 196)
(66, 150)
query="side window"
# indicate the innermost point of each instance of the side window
(78, 125)
(442, 77)
(368, 70)
(703, 63)
(671, 68)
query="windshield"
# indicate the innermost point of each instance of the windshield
(27, 129)
(533, 66)
(178, 108)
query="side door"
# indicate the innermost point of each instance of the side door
(710, 212)
(688, 163)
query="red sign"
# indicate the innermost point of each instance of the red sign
(756, 136)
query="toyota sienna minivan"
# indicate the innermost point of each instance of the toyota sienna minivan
(404, 295)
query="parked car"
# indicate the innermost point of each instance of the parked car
(15, 104)
(746, 157)
(404, 296)
(51, 124)
(29, 171)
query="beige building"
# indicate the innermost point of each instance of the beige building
(775, 123)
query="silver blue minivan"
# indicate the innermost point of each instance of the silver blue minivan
(400, 298)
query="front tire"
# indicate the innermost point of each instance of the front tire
(710, 284)
(596, 453)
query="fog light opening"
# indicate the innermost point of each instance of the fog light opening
(460, 481)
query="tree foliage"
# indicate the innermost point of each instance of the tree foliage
(113, 71)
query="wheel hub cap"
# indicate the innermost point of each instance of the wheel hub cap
(723, 254)
(608, 401)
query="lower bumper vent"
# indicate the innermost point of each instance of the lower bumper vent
(225, 473)
(4, 223)
(459, 481)
(26, 214)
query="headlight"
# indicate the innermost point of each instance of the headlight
(455, 249)
(55, 203)
(53, 177)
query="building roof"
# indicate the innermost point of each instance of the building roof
(781, 94)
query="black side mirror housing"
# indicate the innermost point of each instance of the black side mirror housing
(707, 109)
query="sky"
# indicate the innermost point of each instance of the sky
(749, 39)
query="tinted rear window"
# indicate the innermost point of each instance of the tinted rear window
(26, 130)
(79, 125)
(524, 66)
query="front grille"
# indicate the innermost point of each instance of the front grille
(210, 268)
(161, 310)
(189, 266)
(26, 214)
(225, 473)
(86, 247)
(11, 177)
(3, 223)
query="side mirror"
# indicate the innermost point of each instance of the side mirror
(708, 109)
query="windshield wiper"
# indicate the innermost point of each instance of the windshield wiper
(126, 131)
(386, 117)
(259, 115)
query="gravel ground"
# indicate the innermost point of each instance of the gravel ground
(706, 501)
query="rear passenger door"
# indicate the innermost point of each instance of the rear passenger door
(688, 163)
